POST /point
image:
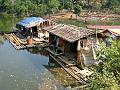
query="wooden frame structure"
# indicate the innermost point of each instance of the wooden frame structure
(70, 36)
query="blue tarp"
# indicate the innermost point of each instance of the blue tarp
(29, 21)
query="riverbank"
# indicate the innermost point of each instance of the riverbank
(7, 23)
(83, 20)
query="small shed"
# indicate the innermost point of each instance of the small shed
(112, 31)
(31, 22)
(69, 33)
(32, 26)
(68, 40)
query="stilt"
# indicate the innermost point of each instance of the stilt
(78, 53)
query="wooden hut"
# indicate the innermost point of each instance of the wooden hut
(30, 33)
(32, 26)
(68, 42)
(112, 31)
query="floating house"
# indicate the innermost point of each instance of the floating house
(32, 26)
(30, 33)
(71, 44)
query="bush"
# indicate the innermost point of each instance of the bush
(117, 11)
(107, 75)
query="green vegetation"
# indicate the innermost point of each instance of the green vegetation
(71, 21)
(7, 22)
(1, 40)
(43, 7)
(77, 10)
(103, 22)
(82, 23)
(107, 73)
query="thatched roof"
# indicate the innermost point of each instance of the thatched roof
(69, 33)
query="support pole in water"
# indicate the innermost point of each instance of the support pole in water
(78, 53)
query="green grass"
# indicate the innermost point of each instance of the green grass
(71, 22)
(101, 22)
(89, 22)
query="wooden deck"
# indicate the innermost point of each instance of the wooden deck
(69, 63)
(52, 52)
(21, 43)
(68, 70)
(79, 74)
(74, 71)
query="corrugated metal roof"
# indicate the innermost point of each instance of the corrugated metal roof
(113, 29)
(70, 33)
(102, 27)
(30, 21)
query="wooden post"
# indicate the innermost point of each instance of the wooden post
(94, 54)
(78, 53)
(97, 41)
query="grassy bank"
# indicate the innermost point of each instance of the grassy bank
(104, 22)
(82, 23)
(7, 22)
(71, 22)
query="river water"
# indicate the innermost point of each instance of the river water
(29, 69)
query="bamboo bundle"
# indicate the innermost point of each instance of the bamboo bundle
(15, 40)
(19, 40)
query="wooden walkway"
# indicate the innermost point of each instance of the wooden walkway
(68, 70)
(72, 69)
(51, 51)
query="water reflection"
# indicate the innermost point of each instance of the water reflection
(21, 70)
(7, 22)
(61, 75)
(31, 69)
(38, 50)
(1, 40)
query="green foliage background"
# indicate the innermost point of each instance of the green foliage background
(43, 7)
(107, 74)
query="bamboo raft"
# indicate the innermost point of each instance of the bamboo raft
(73, 70)
(19, 44)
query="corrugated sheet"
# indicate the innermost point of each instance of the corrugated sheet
(70, 33)
(102, 27)
(112, 29)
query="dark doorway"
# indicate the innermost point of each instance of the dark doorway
(73, 47)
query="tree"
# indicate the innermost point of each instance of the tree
(68, 4)
(4, 4)
(53, 5)
(112, 3)
(77, 9)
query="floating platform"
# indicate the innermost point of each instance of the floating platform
(18, 43)
(79, 74)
